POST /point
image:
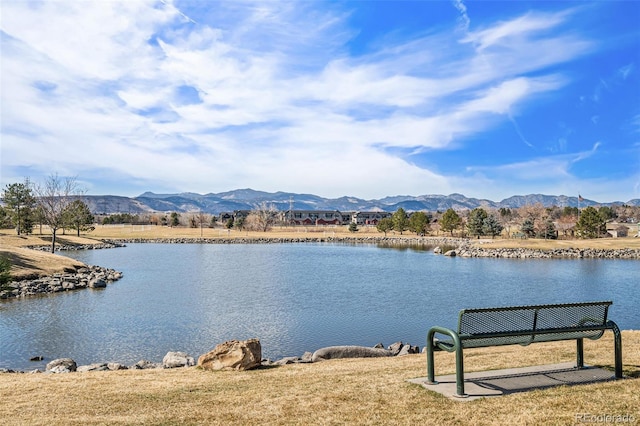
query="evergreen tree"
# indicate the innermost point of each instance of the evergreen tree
(400, 221)
(174, 219)
(20, 203)
(419, 223)
(5, 219)
(491, 226)
(607, 213)
(450, 221)
(5, 270)
(78, 216)
(238, 223)
(385, 225)
(353, 227)
(476, 221)
(549, 232)
(528, 228)
(590, 224)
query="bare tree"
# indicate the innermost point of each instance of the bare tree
(54, 196)
(262, 218)
(202, 218)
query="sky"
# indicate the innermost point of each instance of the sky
(334, 98)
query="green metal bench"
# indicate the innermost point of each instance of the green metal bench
(523, 325)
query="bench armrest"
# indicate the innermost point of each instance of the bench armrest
(455, 346)
(443, 345)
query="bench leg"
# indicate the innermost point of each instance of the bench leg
(580, 353)
(460, 374)
(430, 367)
(617, 340)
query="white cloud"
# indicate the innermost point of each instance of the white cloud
(91, 85)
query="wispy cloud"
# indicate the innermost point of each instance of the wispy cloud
(213, 96)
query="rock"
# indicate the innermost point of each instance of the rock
(408, 349)
(68, 285)
(287, 360)
(437, 250)
(113, 366)
(143, 364)
(61, 365)
(306, 357)
(92, 367)
(233, 355)
(177, 359)
(395, 348)
(379, 346)
(97, 283)
(335, 352)
(36, 358)
(451, 253)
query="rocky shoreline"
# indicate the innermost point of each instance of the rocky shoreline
(87, 277)
(523, 253)
(462, 247)
(177, 359)
(391, 241)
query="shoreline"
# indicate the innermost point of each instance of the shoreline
(88, 276)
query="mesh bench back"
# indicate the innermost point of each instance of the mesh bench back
(527, 324)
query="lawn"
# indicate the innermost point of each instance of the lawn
(353, 391)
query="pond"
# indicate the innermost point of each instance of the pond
(293, 297)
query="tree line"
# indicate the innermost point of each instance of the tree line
(533, 221)
(58, 204)
(55, 203)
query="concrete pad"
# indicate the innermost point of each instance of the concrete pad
(485, 384)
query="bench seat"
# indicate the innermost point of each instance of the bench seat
(523, 325)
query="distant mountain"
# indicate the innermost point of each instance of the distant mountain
(248, 199)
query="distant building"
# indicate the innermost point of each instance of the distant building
(617, 230)
(315, 217)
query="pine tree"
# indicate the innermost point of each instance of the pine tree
(20, 203)
(385, 225)
(400, 221)
(476, 221)
(450, 221)
(419, 223)
(590, 224)
(491, 226)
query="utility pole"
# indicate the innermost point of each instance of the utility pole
(291, 210)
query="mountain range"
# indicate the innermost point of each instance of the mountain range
(249, 199)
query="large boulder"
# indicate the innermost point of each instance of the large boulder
(233, 355)
(335, 352)
(61, 365)
(177, 359)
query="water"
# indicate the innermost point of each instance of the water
(293, 297)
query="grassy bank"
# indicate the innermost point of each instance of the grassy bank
(28, 263)
(354, 391)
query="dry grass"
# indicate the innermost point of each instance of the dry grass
(599, 243)
(29, 263)
(26, 263)
(356, 391)
(363, 391)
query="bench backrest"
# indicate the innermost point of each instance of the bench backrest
(527, 324)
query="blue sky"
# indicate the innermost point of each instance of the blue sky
(368, 99)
